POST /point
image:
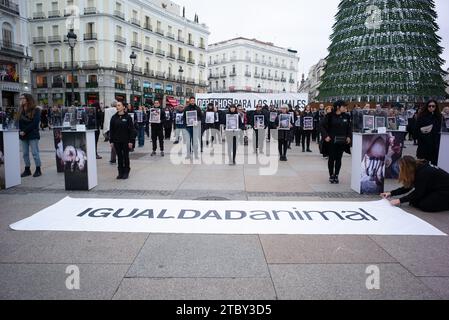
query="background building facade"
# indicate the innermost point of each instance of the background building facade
(14, 53)
(250, 65)
(313, 81)
(170, 49)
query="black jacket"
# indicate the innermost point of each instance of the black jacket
(428, 179)
(30, 125)
(335, 125)
(428, 144)
(241, 124)
(193, 108)
(252, 114)
(122, 129)
(163, 118)
(283, 134)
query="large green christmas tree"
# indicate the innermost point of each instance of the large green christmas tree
(384, 50)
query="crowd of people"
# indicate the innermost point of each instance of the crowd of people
(328, 126)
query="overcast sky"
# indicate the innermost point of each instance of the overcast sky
(304, 25)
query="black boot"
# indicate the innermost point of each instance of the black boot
(120, 174)
(37, 173)
(126, 173)
(336, 180)
(26, 173)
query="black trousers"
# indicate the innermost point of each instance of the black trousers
(157, 133)
(298, 136)
(434, 202)
(335, 156)
(305, 139)
(122, 150)
(167, 132)
(97, 136)
(232, 146)
(283, 146)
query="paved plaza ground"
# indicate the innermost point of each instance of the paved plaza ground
(222, 267)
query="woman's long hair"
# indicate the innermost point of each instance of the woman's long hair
(30, 107)
(407, 172)
(425, 110)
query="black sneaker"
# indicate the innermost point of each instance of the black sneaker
(162, 154)
(336, 181)
(153, 153)
(332, 179)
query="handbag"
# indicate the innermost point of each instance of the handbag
(427, 130)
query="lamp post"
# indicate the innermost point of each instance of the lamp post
(71, 37)
(133, 58)
(181, 71)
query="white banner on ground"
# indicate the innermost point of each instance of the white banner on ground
(228, 217)
(250, 100)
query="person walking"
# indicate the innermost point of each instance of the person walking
(122, 135)
(428, 128)
(336, 131)
(157, 120)
(29, 117)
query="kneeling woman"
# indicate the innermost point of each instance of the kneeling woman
(122, 136)
(430, 186)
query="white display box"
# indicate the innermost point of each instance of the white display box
(10, 159)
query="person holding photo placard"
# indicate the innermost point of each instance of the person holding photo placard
(157, 119)
(307, 128)
(298, 129)
(193, 117)
(259, 122)
(234, 125)
(208, 125)
(179, 123)
(284, 121)
(336, 131)
(140, 120)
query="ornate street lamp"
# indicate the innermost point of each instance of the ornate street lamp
(71, 37)
(133, 58)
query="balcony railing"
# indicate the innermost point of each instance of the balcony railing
(160, 31)
(181, 39)
(136, 70)
(55, 65)
(120, 86)
(120, 39)
(10, 6)
(57, 85)
(257, 75)
(90, 36)
(11, 47)
(135, 22)
(191, 80)
(283, 66)
(171, 55)
(291, 81)
(90, 10)
(69, 12)
(233, 74)
(68, 65)
(171, 77)
(121, 66)
(39, 40)
(191, 61)
(160, 52)
(270, 78)
(247, 74)
(170, 35)
(148, 48)
(202, 64)
(223, 75)
(202, 46)
(54, 39)
(257, 60)
(277, 65)
(119, 14)
(181, 79)
(181, 58)
(91, 64)
(203, 83)
(148, 73)
(214, 76)
(283, 80)
(263, 76)
(42, 85)
(160, 75)
(54, 14)
(148, 26)
(277, 79)
(92, 84)
(135, 44)
(191, 43)
(38, 15)
(69, 85)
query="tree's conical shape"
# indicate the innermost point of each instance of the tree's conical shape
(384, 50)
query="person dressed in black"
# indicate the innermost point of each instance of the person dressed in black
(307, 128)
(140, 120)
(168, 123)
(428, 128)
(122, 135)
(298, 129)
(208, 127)
(157, 127)
(258, 120)
(430, 186)
(336, 131)
(233, 130)
(94, 124)
(283, 132)
(193, 127)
